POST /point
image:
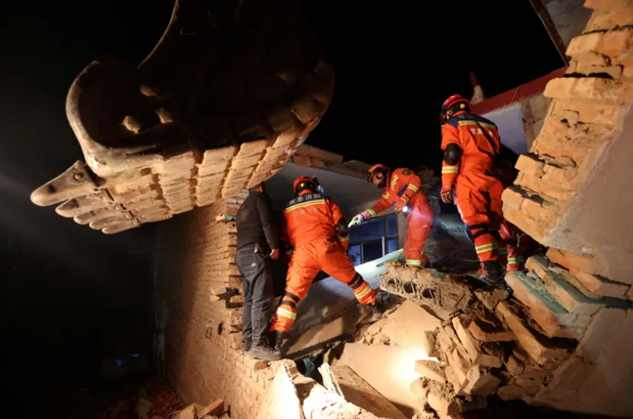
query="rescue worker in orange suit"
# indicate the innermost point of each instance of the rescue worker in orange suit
(518, 245)
(471, 144)
(318, 232)
(402, 188)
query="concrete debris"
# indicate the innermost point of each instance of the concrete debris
(358, 392)
(388, 369)
(408, 327)
(427, 287)
(282, 400)
(540, 348)
(490, 297)
(477, 352)
(295, 396)
(431, 370)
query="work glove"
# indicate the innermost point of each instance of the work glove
(447, 194)
(400, 205)
(359, 218)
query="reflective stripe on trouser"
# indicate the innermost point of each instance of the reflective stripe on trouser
(479, 204)
(307, 260)
(420, 223)
(517, 245)
(362, 291)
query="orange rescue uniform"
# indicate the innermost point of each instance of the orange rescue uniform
(403, 188)
(310, 222)
(477, 190)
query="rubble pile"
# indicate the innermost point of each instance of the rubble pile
(489, 342)
(294, 396)
(438, 291)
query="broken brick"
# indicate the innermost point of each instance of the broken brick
(431, 370)
(538, 347)
(550, 316)
(419, 388)
(481, 383)
(569, 297)
(486, 332)
(514, 366)
(491, 297)
(572, 261)
(513, 392)
(474, 348)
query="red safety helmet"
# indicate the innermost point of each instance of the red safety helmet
(376, 169)
(454, 104)
(304, 182)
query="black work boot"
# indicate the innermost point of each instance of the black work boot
(264, 352)
(246, 345)
(493, 274)
(277, 340)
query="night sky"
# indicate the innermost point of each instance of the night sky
(70, 296)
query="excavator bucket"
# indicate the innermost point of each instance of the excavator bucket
(222, 102)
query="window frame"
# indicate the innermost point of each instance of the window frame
(384, 239)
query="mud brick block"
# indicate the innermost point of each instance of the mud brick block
(538, 347)
(485, 331)
(604, 20)
(536, 185)
(431, 370)
(460, 366)
(511, 392)
(252, 148)
(572, 261)
(514, 366)
(602, 330)
(420, 390)
(285, 139)
(550, 316)
(443, 403)
(589, 88)
(211, 179)
(602, 286)
(609, 5)
(474, 348)
(588, 112)
(244, 162)
(513, 198)
(491, 297)
(275, 154)
(177, 163)
(210, 169)
(569, 297)
(481, 382)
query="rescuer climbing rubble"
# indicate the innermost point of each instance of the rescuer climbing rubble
(472, 144)
(402, 188)
(318, 232)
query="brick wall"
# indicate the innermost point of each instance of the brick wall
(572, 196)
(198, 320)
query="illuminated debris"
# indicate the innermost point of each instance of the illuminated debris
(428, 287)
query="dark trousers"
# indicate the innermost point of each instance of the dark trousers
(257, 281)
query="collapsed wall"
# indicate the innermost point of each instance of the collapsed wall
(568, 197)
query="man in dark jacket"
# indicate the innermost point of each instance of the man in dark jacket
(257, 244)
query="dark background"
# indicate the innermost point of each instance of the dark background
(71, 297)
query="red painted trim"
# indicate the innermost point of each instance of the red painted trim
(516, 95)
